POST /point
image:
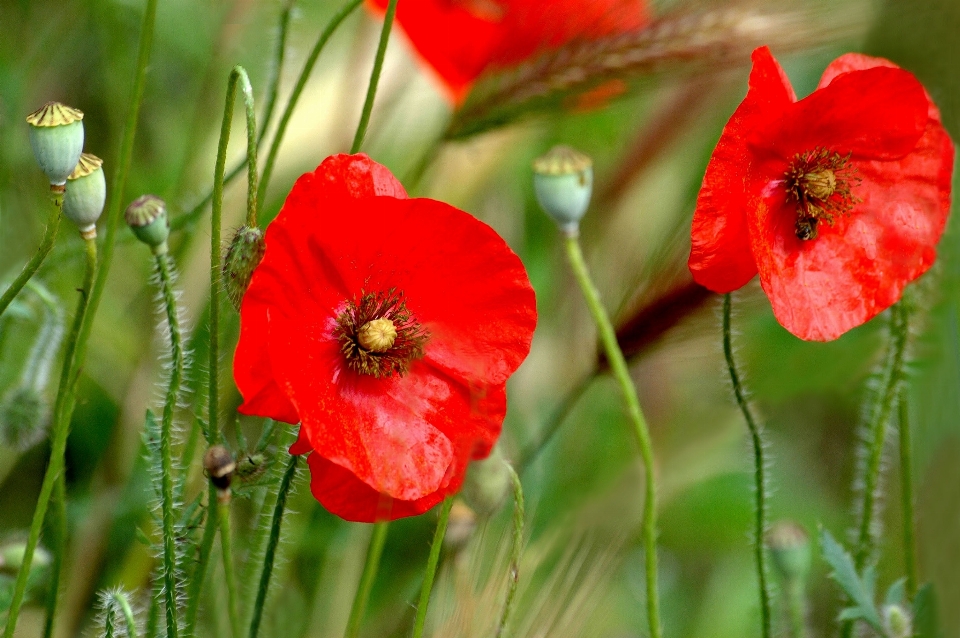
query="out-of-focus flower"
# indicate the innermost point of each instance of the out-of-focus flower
(838, 200)
(387, 327)
(460, 39)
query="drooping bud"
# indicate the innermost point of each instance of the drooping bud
(56, 135)
(898, 622)
(86, 194)
(23, 417)
(147, 218)
(790, 549)
(243, 256)
(563, 182)
(487, 483)
(219, 464)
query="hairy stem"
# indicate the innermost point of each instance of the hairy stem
(374, 78)
(759, 470)
(621, 373)
(516, 549)
(228, 571)
(46, 244)
(370, 568)
(431, 571)
(906, 496)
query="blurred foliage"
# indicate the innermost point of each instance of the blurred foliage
(584, 490)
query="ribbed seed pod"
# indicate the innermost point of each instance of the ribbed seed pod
(56, 135)
(86, 194)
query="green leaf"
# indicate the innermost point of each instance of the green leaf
(926, 623)
(897, 594)
(859, 590)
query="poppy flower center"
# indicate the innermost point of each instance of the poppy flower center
(819, 183)
(378, 335)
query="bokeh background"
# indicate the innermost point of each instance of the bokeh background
(582, 574)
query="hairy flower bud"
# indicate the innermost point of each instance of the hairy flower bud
(147, 218)
(219, 465)
(563, 182)
(23, 417)
(86, 194)
(243, 256)
(486, 484)
(56, 135)
(790, 549)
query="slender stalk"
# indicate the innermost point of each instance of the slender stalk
(796, 604)
(906, 496)
(58, 542)
(274, 541)
(515, 551)
(166, 435)
(200, 571)
(61, 429)
(431, 571)
(759, 470)
(228, 571)
(298, 89)
(116, 599)
(621, 373)
(374, 78)
(370, 568)
(46, 244)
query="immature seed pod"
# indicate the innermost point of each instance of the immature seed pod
(790, 549)
(56, 135)
(243, 256)
(86, 194)
(486, 485)
(219, 465)
(563, 183)
(147, 218)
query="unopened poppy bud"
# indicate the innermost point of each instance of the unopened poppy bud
(219, 465)
(486, 484)
(790, 549)
(563, 182)
(460, 526)
(898, 621)
(243, 256)
(23, 417)
(86, 194)
(251, 466)
(147, 218)
(11, 558)
(56, 135)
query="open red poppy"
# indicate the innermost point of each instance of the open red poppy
(387, 327)
(838, 200)
(460, 39)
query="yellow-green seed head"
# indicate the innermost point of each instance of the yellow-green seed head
(789, 546)
(86, 193)
(563, 182)
(147, 218)
(56, 136)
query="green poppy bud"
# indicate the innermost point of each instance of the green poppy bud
(790, 549)
(23, 417)
(86, 194)
(563, 182)
(147, 218)
(243, 256)
(56, 135)
(251, 466)
(460, 527)
(898, 621)
(487, 483)
(219, 464)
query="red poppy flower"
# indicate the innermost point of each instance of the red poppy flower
(837, 200)
(387, 327)
(460, 39)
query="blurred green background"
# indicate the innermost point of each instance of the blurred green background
(583, 569)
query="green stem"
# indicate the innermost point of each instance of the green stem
(374, 78)
(370, 567)
(906, 496)
(795, 608)
(46, 244)
(228, 571)
(298, 89)
(516, 550)
(274, 541)
(116, 599)
(759, 470)
(61, 429)
(431, 571)
(203, 558)
(621, 373)
(58, 541)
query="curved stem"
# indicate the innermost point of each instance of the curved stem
(370, 567)
(228, 571)
(906, 496)
(431, 571)
(374, 78)
(759, 469)
(297, 90)
(621, 373)
(515, 551)
(272, 544)
(116, 599)
(46, 244)
(61, 429)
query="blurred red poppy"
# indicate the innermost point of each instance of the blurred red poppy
(387, 327)
(460, 39)
(837, 200)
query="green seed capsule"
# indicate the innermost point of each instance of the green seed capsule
(86, 194)
(243, 256)
(56, 135)
(486, 484)
(147, 218)
(563, 183)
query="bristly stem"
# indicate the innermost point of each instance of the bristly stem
(228, 570)
(370, 568)
(272, 544)
(166, 436)
(516, 549)
(374, 78)
(906, 496)
(118, 599)
(46, 244)
(298, 89)
(431, 571)
(618, 366)
(61, 429)
(759, 471)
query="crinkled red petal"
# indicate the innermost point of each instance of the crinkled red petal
(720, 257)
